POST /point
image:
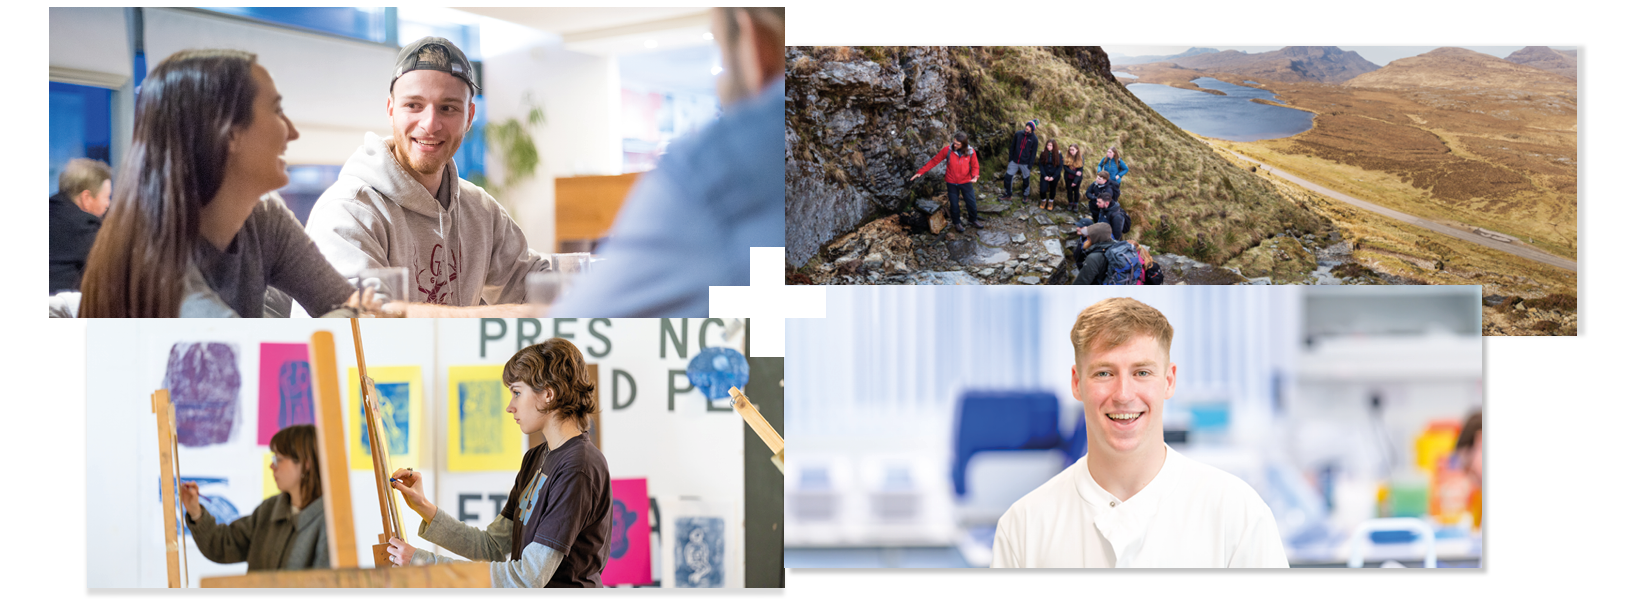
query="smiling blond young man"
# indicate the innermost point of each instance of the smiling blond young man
(1133, 502)
(399, 202)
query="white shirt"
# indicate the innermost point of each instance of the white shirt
(1191, 515)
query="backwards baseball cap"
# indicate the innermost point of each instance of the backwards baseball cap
(437, 54)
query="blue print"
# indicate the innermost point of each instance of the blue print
(394, 416)
(699, 552)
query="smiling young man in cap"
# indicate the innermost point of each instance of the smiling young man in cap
(1133, 502)
(399, 202)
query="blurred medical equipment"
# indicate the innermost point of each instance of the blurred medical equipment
(1383, 530)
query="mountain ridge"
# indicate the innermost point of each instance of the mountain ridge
(1328, 64)
(1451, 67)
(1142, 59)
(1565, 63)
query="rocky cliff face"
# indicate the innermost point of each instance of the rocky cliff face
(860, 120)
(857, 123)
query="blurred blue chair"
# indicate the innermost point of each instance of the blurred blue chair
(1003, 421)
(1078, 444)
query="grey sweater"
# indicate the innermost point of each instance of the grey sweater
(376, 215)
(269, 250)
(535, 566)
(271, 538)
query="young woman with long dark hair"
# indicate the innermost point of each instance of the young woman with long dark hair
(1074, 175)
(191, 230)
(554, 531)
(1049, 165)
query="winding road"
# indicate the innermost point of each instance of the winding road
(1522, 251)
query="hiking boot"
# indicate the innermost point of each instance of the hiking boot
(959, 227)
(1004, 197)
(976, 223)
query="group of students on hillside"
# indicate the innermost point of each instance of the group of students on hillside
(193, 226)
(1101, 228)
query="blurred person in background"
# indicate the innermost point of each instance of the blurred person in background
(690, 223)
(1131, 501)
(195, 228)
(399, 201)
(1471, 448)
(84, 189)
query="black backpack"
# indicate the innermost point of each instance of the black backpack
(1153, 274)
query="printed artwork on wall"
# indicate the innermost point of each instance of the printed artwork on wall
(285, 390)
(480, 434)
(400, 410)
(628, 562)
(204, 384)
(714, 370)
(223, 511)
(698, 552)
(270, 479)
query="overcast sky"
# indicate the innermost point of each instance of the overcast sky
(1380, 55)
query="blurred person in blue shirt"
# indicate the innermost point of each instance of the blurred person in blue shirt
(690, 223)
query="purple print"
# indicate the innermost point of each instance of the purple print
(293, 387)
(203, 383)
(621, 520)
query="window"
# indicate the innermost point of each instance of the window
(81, 123)
(370, 24)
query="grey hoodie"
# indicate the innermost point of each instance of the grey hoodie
(377, 216)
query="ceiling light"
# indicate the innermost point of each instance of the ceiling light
(716, 69)
(708, 36)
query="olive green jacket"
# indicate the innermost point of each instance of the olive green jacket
(271, 538)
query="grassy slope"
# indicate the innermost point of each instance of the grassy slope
(1458, 171)
(1469, 158)
(1414, 253)
(1183, 196)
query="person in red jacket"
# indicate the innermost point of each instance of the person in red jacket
(962, 172)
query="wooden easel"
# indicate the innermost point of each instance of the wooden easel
(333, 458)
(378, 443)
(764, 430)
(169, 474)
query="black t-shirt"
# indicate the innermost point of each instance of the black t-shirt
(569, 509)
(72, 233)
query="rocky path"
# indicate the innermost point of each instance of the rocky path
(1516, 249)
(1021, 244)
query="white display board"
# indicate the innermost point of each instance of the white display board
(653, 424)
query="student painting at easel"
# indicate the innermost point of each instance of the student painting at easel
(287, 531)
(554, 531)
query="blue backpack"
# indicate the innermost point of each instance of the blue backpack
(1123, 265)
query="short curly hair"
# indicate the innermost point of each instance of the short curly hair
(555, 364)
